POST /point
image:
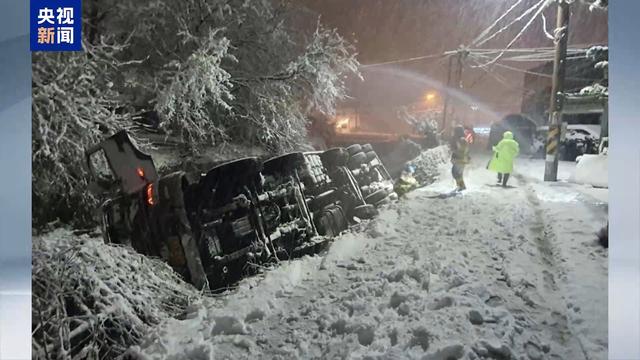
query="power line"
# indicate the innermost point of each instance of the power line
(403, 60)
(546, 58)
(544, 28)
(533, 52)
(541, 6)
(486, 31)
(542, 49)
(538, 73)
(534, 56)
(531, 9)
(532, 72)
(501, 79)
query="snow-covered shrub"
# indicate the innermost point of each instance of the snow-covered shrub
(93, 301)
(600, 56)
(592, 170)
(429, 162)
(74, 106)
(598, 53)
(424, 123)
(595, 89)
(599, 4)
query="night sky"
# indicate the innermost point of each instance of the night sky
(385, 30)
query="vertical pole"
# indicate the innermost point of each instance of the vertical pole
(460, 56)
(445, 108)
(557, 89)
(604, 119)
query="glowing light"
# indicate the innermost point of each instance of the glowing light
(343, 124)
(150, 200)
(430, 96)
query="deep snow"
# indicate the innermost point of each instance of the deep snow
(493, 273)
(592, 170)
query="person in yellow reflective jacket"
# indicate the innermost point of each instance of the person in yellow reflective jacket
(503, 154)
(406, 182)
(459, 156)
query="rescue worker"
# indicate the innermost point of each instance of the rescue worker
(459, 156)
(469, 134)
(503, 154)
(406, 182)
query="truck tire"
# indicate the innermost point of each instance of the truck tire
(357, 160)
(376, 196)
(371, 155)
(335, 157)
(364, 212)
(322, 200)
(331, 221)
(354, 149)
(384, 201)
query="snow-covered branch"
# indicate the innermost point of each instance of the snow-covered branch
(93, 301)
(213, 71)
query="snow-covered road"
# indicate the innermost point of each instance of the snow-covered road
(495, 273)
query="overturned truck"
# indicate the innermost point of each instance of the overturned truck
(216, 227)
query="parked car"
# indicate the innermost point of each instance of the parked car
(579, 139)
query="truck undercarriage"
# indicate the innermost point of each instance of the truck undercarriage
(239, 214)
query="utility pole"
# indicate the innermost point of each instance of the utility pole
(557, 92)
(460, 57)
(445, 108)
(461, 54)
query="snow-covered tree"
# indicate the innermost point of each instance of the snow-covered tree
(74, 106)
(599, 4)
(599, 55)
(213, 71)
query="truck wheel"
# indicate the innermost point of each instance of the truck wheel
(357, 160)
(365, 211)
(384, 201)
(322, 200)
(331, 221)
(371, 155)
(354, 149)
(335, 157)
(376, 196)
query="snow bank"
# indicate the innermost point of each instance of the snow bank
(92, 300)
(429, 163)
(476, 276)
(592, 170)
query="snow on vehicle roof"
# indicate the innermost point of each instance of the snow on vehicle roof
(594, 130)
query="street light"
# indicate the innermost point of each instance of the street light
(342, 124)
(430, 96)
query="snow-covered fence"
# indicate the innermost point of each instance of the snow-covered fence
(92, 300)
